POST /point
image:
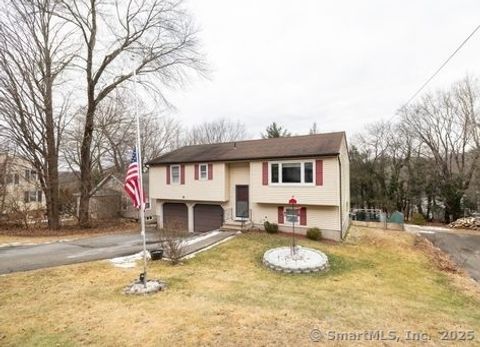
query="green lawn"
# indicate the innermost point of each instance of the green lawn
(224, 296)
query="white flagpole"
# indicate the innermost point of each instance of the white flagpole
(140, 177)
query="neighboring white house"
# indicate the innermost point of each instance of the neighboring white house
(203, 187)
(20, 188)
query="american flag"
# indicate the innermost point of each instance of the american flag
(132, 181)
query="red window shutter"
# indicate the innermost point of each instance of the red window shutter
(303, 216)
(168, 174)
(196, 172)
(210, 171)
(319, 172)
(182, 174)
(265, 173)
(280, 214)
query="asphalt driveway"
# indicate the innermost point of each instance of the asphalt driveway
(464, 248)
(23, 258)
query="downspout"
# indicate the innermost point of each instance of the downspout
(340, 190)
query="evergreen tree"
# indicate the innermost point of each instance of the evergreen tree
(275, 130)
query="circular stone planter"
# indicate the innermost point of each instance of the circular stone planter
(138, 288)
(303, 261)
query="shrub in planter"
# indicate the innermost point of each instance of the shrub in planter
(270, 228)
(314, 234)
(418, 219)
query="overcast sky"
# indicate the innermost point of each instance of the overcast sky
(339, 63)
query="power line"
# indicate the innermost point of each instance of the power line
(442, 66)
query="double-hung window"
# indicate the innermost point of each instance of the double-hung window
(203, 168)
(33, 196)
(175, 174)
(295, 172)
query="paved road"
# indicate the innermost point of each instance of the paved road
(463, 248)
(23, 258)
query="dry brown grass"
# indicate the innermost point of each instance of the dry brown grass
(224, 296)
(71, 230)
(442, 260)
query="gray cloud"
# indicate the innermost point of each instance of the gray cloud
(339, 63)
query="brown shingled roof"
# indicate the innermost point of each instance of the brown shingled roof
(282, 147)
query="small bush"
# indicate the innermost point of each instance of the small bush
(172, 240)
(314, 234)
(270, 228)
(418, 219)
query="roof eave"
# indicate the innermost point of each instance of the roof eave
(172, 162)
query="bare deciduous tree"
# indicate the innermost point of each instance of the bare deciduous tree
(314, 129)
(158, 38)
(34, 53)
(381, 153)
(220, 130)
(446, 123)
(114, 136)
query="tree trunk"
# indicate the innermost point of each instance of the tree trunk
(429, 207)
(86, 155)
(54, 206)
(51, 183)
(86, 170)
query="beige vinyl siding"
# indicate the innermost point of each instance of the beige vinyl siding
(323, 217)
(327, 194)
(238, 174)
(15, 191)
(192, 190)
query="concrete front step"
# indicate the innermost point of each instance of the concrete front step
(236, 225)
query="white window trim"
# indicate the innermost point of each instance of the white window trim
(302, 173)
(171, 174)
(200, 172)
(35, 196)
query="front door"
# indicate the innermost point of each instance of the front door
(241, 201)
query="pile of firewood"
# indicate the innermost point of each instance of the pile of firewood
(466, 223)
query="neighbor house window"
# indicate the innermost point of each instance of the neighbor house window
(33, 196)
(297, 172)
(203, 171)
(30, 174)
(175, 172)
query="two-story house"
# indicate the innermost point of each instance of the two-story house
(202, 187)
(19, 185)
